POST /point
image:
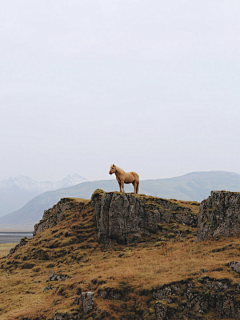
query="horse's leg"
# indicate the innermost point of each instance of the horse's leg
(137, 187)
(120, 187)
(122, 183)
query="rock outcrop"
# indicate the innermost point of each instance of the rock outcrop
(53, 216)
(219, 215)
(125, 217)
(22, 243)
(196, 300)
(186, 299)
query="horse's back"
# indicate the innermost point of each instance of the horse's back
(135, 175)
(130, 177)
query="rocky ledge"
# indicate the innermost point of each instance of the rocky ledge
(219, 215)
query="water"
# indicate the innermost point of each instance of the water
(13, 237)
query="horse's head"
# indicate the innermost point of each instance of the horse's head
(113, 169)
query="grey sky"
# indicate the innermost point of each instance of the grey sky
(153, 86)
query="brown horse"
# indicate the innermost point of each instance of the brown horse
(125, 177)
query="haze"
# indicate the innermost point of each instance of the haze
(152, 86)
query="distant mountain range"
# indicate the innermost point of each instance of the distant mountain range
(18, 190)
(192, 186)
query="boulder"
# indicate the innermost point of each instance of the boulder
(88, 301)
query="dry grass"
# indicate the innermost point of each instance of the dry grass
(5, 248)
(174, 262)
(138, 266)
(193, 205)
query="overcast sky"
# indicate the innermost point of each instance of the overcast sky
(152, 86)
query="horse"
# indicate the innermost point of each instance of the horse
(125, 177)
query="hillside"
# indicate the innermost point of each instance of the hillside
(70, 270)
(193, 187)
(18, 190)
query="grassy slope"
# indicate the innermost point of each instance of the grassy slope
(71, 248)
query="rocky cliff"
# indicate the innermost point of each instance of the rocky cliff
(125, 218)
(219, 215)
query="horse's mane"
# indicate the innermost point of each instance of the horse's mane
(120, 170)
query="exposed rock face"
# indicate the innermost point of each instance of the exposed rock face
(196, 301)
(125, 217)
(53, 216)
(88, 301)
(219, 215)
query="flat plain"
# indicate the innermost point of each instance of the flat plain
(5, 248)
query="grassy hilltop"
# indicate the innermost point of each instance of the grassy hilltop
(125, 279)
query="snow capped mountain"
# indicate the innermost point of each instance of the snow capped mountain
(18, 190)
(68, 181)
(18, 181)
(26, 183)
